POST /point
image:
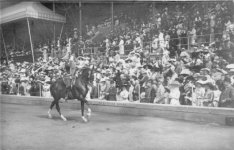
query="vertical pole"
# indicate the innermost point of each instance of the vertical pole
(4, 44)
(54, 23)
(30, 37)
(18, 89)
(40, 89)
(188, 41)
(139, 93)
(80, 13)
(61, 32)
(98, 89)
(112, 15)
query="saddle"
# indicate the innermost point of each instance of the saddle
(69, 82)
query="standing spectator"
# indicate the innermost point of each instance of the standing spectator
(103, 89)
(45, 55)
(159, 92)
(124, 94)
(121, 46)
(111, 92)
(136, 90)
(227, 95)
(174, 93)
(209, 95)
(199, 92)
(149, 93)
(155, 43)
(193, 35)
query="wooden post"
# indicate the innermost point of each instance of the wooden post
(30, 37)
(112, 16)
(40, 89)
(80, 13)
(61, 32)
(54, 23)
(4, 44)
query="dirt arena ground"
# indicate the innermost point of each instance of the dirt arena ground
(27, 127)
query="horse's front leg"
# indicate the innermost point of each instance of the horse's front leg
(58, 109)
(82, 111)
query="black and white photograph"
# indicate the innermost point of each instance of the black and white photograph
(117, 74)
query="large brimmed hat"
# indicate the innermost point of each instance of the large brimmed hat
(186, 72)
(230, 66)
(205, 69)
(231, 70)
(174, 84)
(103, 80)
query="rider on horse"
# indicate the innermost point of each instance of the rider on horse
(73, 68)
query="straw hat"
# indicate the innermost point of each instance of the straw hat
(186, 72)
(205, 69)
(103, 80)
(174, 84)
(230, 66)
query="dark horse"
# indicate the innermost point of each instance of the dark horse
(79, 91)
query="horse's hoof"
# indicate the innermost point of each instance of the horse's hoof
(64, 119)
(89, 113)
(84, 119)
(50, 116)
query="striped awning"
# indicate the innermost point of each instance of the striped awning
(29, 10)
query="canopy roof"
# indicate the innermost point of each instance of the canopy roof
(29, 10)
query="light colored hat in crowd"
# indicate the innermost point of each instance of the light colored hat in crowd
(103, 80)
(172, 59)
(24, 79)
(50, 68)
(137, 54)
(206, 48)
(103, 71)
(174, 84)
(202, 82)
(231, 70)
(221, 70)
(23, 70)
(144, 72)
(45, 47)
(205, 69)
(230, 66)
(186, 72)
(184, 54)
(197, 75)
(208, 80)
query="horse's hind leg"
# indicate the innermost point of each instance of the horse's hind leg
(51, 107)
(58, 109)
(89, 109)
(84, 101)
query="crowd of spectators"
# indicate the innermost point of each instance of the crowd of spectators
(172, 57)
